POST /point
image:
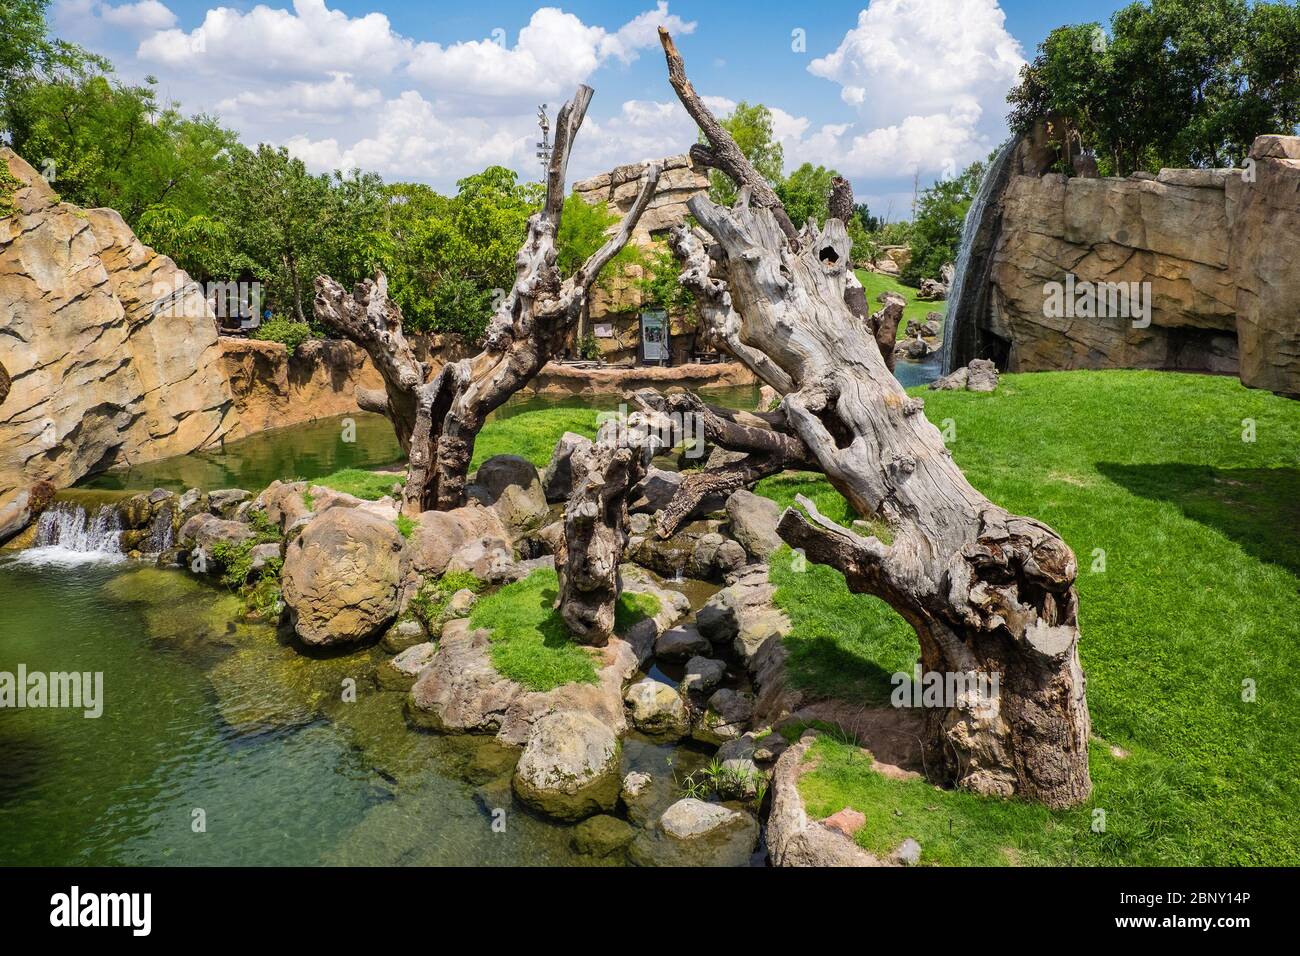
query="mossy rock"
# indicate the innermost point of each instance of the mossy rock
(153, 586)
(602, 835)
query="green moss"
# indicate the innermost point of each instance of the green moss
(406, 526)
(431, 600)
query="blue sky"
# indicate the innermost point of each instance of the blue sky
(883, 91)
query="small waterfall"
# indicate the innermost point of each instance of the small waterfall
(965, 293)
(66, 534)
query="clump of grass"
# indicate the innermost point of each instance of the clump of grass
(532, 434)
(431, 600)
(405, 525)
(530, 642)
(633, 607)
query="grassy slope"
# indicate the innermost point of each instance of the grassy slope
(530, 641)
(915, 311)
(1198, 594)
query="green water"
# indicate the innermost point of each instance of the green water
(202, 714)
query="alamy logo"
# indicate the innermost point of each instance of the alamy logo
(74, 908)
(1098, 300)
(973, 689)
(80, 690)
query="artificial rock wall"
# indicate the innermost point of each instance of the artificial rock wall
(1220, 249)
(100, 372)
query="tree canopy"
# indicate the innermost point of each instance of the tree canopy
(1174, 82)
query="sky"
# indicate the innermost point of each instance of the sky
(887, 92)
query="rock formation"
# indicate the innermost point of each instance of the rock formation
(110, 348)
(1217, 247)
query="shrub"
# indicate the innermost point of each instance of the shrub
(287, 333)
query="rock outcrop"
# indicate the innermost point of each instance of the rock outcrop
(272, 388)
(1218, 248)
(111, 351)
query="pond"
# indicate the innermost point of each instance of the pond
(219, 744)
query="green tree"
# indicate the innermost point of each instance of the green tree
(751, 128)
(276, 210)
(1174, 83)
(936, 229)
(806, 194)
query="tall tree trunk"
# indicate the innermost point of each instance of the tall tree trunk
(528, 329)
(989, 593)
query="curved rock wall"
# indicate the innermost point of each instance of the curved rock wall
(1218, 247)
(101, 371)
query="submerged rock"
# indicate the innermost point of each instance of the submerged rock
(341, 575)
(694, 833)
(403, 633)
(569, 767)
(400, 672)
(602, 835)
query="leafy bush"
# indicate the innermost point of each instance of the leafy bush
(287, 333)
(431, 600)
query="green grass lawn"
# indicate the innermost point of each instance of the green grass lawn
(369, 485)
(915, 311)
(1199, 592)
(531, 643)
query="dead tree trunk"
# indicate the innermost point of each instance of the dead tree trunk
(595, 519)
(528, 329)
(766, 438)
(989, 593)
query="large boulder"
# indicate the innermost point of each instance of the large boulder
(569, 767)
(283, 503)
(341, 576)
(439, 535)
(510, 486)
(205, 530)
(753, 523)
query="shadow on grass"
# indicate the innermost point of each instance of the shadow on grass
(1258, 508)
(824, 666)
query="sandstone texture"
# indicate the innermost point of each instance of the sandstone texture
(110, 353)
(1219, 247)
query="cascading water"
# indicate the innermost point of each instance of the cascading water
(965, 293)
(66, 534)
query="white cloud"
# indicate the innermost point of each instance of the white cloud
(331, 101)
(927, 79)
(312, 40)
(145, 15)
(554, 52)
(411, 141)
